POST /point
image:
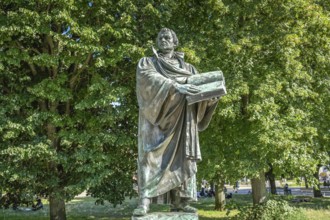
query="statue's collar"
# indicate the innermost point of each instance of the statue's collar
(175, 54)
(179, 54)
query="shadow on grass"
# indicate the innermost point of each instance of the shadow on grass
(309, 202)
(206, 210)
(85, 209)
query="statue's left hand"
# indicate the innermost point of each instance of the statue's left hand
(213, 100)
(187, 89)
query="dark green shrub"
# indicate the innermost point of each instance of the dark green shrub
(270, 210)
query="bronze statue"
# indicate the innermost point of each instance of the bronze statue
(168, 144)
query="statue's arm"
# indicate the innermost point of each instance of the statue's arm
(154, 91)
(205, 113)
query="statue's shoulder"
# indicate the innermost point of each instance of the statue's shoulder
(147, 59)
(180, 56)
(146, 63)
(190, 68)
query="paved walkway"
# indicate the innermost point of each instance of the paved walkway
(294, 190)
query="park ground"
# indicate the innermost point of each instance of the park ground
(84, 208)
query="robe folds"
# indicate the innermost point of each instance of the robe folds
(168, 144)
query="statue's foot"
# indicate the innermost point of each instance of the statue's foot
(176, 209)
(140, 211)
(186, 208)
(189, 209)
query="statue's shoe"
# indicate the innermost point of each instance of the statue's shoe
(186, 208)
(189, 209)
(140, 211)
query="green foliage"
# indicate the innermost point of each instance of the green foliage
(67, 88)
(67, 121)
(275, 57)
(270, 210)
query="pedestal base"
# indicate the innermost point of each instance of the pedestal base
(167, 216)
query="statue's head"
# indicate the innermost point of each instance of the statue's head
(167, 39)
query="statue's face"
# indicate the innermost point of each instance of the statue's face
(165, 41)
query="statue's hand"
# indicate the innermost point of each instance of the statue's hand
(187, 89)
(212, 101)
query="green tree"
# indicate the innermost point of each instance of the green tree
(68, 109)
(69, 115)
(275, 57)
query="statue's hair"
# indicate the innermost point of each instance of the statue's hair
(175, 38)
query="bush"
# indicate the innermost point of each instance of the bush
(270, 210)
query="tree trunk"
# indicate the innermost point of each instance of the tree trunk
(306, 182)
(259, 189)
(272, 185)
(317, 190)
(220, 198)
(56, 204)
(57, 209)
(271, 177)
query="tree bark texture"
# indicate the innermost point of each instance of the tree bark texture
(272, 185)
(317, 190)
(57, 209)
(306, 182)
(220, 198)
(259, 189)
(271, 178)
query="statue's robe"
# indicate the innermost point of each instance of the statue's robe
(168, 144)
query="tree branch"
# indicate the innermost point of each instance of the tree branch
(50, 43)
(88, 59)
(33, 69)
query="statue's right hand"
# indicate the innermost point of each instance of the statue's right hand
(187, 89)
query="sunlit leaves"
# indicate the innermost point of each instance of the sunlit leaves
(67, 106)
(273, 56)
(67, 84)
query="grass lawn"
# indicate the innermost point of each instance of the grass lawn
(316, 209)
(85, 209)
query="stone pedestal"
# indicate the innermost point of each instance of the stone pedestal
(167, 216)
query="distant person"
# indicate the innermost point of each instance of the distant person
(202, 193)
(287, 191)
(38, 206)
(211, 193)
(229, 196)
(236, 187)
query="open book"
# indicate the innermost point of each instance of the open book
(211, 84)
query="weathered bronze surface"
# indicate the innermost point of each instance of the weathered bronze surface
(168, 144)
